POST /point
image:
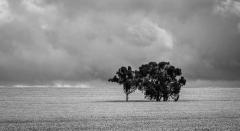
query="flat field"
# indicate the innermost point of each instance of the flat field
(96, 108)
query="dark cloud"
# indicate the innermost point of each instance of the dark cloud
(79, 40)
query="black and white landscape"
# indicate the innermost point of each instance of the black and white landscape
(56, 57)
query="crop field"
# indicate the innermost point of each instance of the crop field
(40, 109)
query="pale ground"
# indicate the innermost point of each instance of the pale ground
(104, 109)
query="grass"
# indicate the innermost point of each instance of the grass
(40, 109)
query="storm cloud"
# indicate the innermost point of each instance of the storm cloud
(82, 40)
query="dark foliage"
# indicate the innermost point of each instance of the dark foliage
(125, 77)
(156, 80)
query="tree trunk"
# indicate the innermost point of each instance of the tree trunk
(165, 97)
(158, 96)
(126, 97)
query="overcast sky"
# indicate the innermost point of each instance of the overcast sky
(81, 40)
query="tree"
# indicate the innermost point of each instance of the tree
(160, 80)
(155, 80)
(125, 76)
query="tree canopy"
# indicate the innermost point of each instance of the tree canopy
(125, 77)
(155, 80)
